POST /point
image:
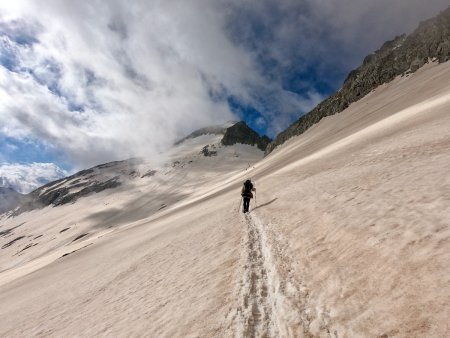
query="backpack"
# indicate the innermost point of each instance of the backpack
(247, 189)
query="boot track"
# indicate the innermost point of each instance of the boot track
(264, 309)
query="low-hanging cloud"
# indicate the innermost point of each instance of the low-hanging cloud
(115, 79)
(105, 81)
(24, 178)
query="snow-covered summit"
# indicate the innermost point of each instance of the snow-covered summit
(231, 133)
(219, 129)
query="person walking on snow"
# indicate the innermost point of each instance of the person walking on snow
(247, 194)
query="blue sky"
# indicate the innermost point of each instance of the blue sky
(83, 83)
(24, 150)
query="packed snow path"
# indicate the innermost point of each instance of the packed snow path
(271, 305)
(257, 312)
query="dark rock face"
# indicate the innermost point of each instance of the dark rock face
(404, 54)
(12, 242)
(9, 232)
(207, 152)
(241, 133)
(149, 173)
(59, 196)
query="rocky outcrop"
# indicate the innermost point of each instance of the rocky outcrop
(404, 54)
(241, 133)
(209, 151)
(63, 195)
(149, 173)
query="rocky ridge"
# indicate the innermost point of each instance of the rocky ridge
(85, 182)
(403, 55)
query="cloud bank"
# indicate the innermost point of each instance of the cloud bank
(24, 178)
(106, 80)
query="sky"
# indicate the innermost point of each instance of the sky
(88, 82)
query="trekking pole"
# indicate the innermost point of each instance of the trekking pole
(256, 204)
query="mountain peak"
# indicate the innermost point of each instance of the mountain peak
(233, 132)
(209, 130)
(240, 132)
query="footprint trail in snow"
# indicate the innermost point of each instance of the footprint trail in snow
(265, 311)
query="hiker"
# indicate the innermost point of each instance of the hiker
(247, 194)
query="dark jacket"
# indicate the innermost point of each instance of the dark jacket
(247, 190)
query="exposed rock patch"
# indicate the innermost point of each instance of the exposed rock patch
(149, 173)
(68, 253)
(83, 183)
(27, 247)
(7, 232)
(80, 236)
(12, 242)
(207, 152)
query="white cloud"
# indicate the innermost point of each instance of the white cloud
(24, 178)
(141, 75)
(115, 79)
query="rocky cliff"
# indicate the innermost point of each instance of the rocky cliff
(241, 133)
(403, 55)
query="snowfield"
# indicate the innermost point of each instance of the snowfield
(350, 236)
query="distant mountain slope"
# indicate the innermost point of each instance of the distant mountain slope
(9, 198)
(404, 54)
(88, 181)
(84, 206)
(199, 149)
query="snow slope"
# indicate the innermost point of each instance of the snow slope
(349, 238)
(147, 187)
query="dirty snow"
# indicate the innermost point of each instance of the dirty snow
(348, 237)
